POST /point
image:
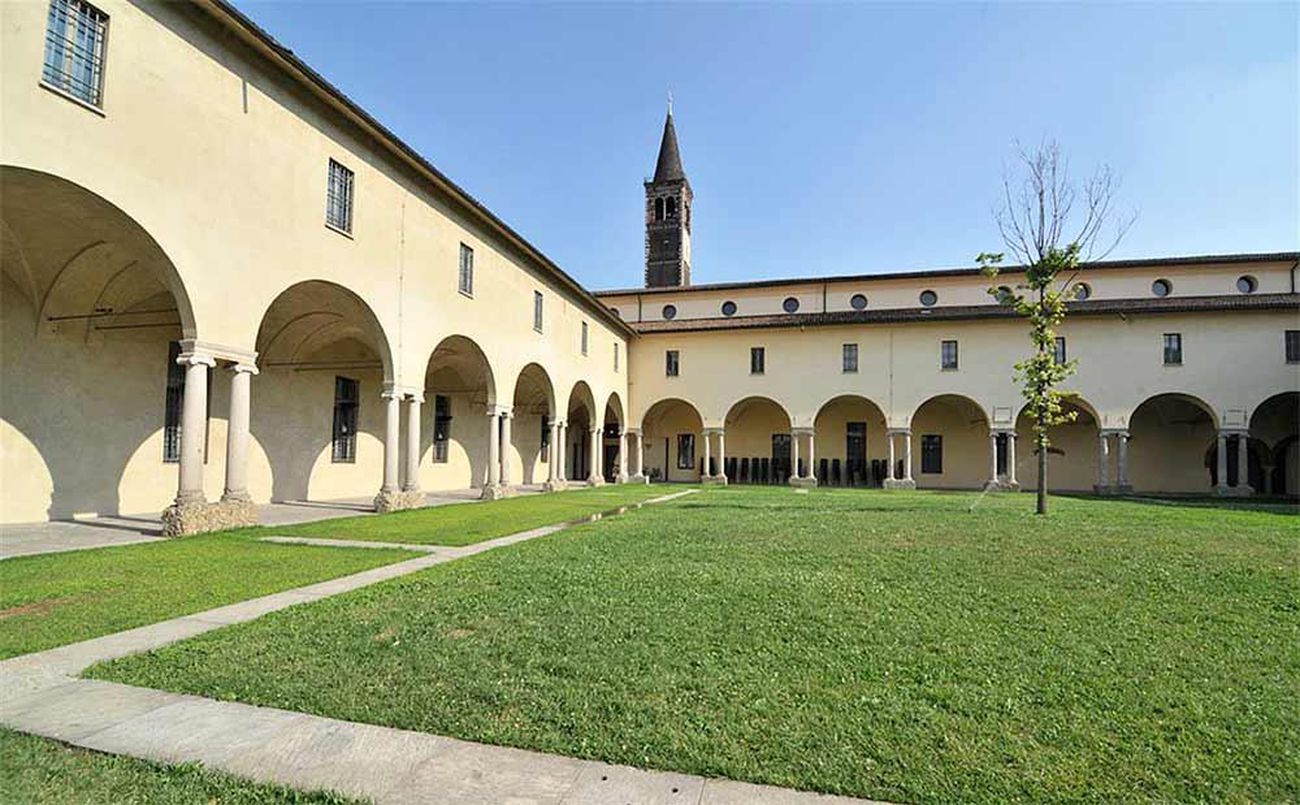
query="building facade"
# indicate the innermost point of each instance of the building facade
(224, 284)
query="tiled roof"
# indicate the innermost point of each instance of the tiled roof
(1189, 304)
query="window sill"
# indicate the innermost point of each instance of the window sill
(466, 294)
(1169, 365)
(68, 96)
(538, 330)
(948, 369)
(345, 233)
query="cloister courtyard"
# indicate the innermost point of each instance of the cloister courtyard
(905, 646)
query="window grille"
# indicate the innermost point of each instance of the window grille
(347, 402)
(686, 451)
(757, 360)
(1173, 343)
(671, 363)
(948, 354)
(174, 403)
(441, 427)
(1058, 350)
(338, 198)
(537, 311)
(466, 281)
(584, 338)
(1292, 339)
(849, 359)
(932, 454)
(75, 39)
(615, 356)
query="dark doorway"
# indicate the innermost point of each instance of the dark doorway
(780, 457)
(855, 454)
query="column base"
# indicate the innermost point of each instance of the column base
(555, 486)
(1002, 485)
(713, 480)
(638, 479)
(1098, 489)
(803, 483)
(180, 519)
(596, 481)
(1239, 491)
(398, 500)
(898, 483)
(496, 492)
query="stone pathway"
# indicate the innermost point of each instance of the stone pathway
(41, 694)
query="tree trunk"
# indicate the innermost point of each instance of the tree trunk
(1042, 469)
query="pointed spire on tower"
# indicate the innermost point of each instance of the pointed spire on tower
(669, 166)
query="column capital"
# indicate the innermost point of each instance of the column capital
(196, 358)
(712, 431)
(245, 368)
(1233, 430)
(417, 398)
(1002, 432)
(1121, 432)
(496, 410)
(595, 429)
(560, 423)
(633, 431)
(392, 394)
(803, 431)
(898, 431)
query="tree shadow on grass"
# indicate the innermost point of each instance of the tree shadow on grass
(1272, 505)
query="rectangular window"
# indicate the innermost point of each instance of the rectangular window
(584, 338)
(932, 454)
(671, 363)
(1292, 346)
(948, 355)
(686, 451)
(849, 359)
(615, 356)
(347, 401)
(174, 401)
(1058, 350)
(338, 198)
(546, 438)
(537, 311)
(75, 39)
(1173, 349)
(441, 427)
(465, 283)
(757, 360)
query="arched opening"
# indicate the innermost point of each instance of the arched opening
(672, 431)
(1169, 435)
(950, 443)
(670, 208)
(1072, 455)
(1275, 426)
(580, 421)
(459, 392)
(659, 209)
(534, 410)
(317, 412)
(91, 314)
(759, 443)
(611, 441)
(851, 449)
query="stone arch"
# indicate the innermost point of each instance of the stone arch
(533, 408)
(758, 430)
(851, 432)
(1169, 434)
(459, 378)
(317, 410)
(1072, 456)
(662, 425)
(613, 425)
(950, 434)
(580, 417)
(1275, 423)
(91, 308)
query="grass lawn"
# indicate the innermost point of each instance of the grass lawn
(34, 770)
(467, 523)
(56, 599)
(892, 645)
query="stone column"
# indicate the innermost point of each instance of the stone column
(1221, 468)
(621, 475)
(1122, 470)
(561, 436)
(194, 425)
(412, 481)
(708, 455)
(889, 473)
(1103, 463)
(1011, 460)
(241, 381)
(722, 456)
(506, 444)
(794, 458)
(492, 483)
(907, 457)
(639, 475)
(595, 477)
(993, 482)
(552, 478)
(1243, 466)
(390, 492)
(812, 459)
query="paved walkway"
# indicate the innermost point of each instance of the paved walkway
(41, 694)
(99, 532)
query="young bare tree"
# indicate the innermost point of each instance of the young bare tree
(1052, 228)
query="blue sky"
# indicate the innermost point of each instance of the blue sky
(828, 139)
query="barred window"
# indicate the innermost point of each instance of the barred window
(75, 39)
(686, 451)
(1292, 339)
(849, 359)
(932, 454)
(757, 360)
(948, 355)
(584, 338)
(174, 401)
(338, 198)
(441, 427)
(1173, 343)
(347, 402)
(672, 363)
(466, 282)
(615, 356)
(1058, 350)
(537, 311)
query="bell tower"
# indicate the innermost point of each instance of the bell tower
(668, 202)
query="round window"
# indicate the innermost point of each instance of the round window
(858, 302)
(790, 305)
(728, 308)
(670, 311)
(1247, 283)
(1162, 287)
(1082, 291)
(929, 298)
(614, 310)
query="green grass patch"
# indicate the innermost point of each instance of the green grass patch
(35, 770)
(459, 524)
(902, 646)
(55, 599)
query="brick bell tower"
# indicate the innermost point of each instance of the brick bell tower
(668, 201)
